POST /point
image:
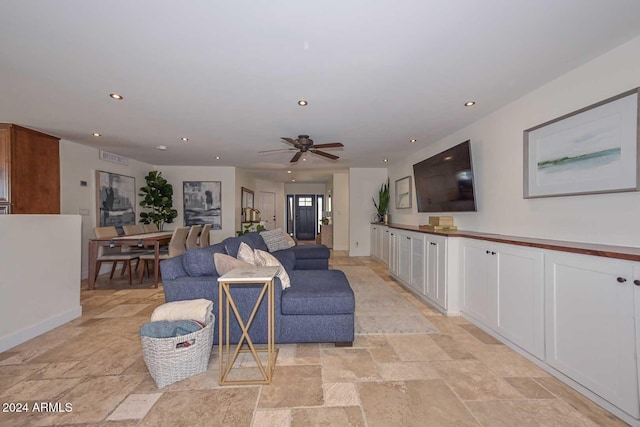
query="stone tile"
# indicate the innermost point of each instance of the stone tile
(92, 399)
(112, 359)
(529, 388)
(471, 380)
(369, 341)
(523, 413)
(407, 371)
(445, 326)
(417, 348)
(123, 310)
(583, 405)
(451, 347)
(134, 407)
(13, 374)
(53, 370)
(272, 418)
(505, 362)
(412, 403)
(384, 354)
(340, 394)
(38, 390)
(311, 417)
(347, 365)
(7, 355)
(206, 408)
(293, 386)
(479, 334)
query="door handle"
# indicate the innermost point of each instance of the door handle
(636, 282)
(621, 279)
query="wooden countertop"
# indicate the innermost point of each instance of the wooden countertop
(608, 251)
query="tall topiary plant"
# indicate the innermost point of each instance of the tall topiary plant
(382, 206)
(158, 198)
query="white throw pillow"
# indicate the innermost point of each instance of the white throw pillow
(265, 259)
(225, 263)
(277, 239)
(197, 309)
(245, 253)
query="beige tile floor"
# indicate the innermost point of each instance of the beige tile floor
(460, 377)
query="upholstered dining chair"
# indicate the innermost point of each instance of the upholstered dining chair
(176, 247)
(203, 242)
(192, 238)
(113, 255)
(133, 229)
(150, 228)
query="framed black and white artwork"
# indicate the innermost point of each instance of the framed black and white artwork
(116, 200)
(202, 203)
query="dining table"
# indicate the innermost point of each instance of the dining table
(155, 239)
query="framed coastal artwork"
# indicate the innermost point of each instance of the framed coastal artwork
(202, 203)
(116, 200)
(592, 150)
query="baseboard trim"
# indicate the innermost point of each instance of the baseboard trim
(25, 334)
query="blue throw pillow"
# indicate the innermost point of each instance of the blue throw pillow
(199, 262)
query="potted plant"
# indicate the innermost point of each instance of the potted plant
(382, 206)
(158, 198)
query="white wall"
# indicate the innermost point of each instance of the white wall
(340, 201)
(227, 175)
(364, 184)
(79, 163)
(39, 275)
(497, 150)
(305, 188)
(278, 189)
(245, 179)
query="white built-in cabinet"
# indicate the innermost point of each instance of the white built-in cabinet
(589, 324)
(502, 287)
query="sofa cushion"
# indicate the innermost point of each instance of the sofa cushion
(225, 263)
(277, 239)
(252, 239)
(266, 259)
(310, 251)
(286, 258)
(318, 292)
(199, 262)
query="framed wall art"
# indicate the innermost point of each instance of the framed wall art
(592, 150)
(116, 200)
(202, 203)
(403, 193)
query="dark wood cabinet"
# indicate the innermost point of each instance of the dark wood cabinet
(29, 171)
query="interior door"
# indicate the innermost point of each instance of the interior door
(305, 217)
(267, 206)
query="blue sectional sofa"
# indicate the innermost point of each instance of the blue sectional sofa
(318, 307)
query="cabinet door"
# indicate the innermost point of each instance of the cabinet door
(477, 292)
(519, 293)
(417, 263)
(5, 158)
(437, 269)
(374, 240)
(385, 245)
(589, 325)
(431, 269)
(393, 252)
(404, 257)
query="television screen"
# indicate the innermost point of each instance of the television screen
(444, 182)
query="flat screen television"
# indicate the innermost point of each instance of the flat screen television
(444, 182)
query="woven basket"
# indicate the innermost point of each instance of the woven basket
(169, 361)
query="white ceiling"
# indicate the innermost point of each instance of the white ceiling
(228, 74)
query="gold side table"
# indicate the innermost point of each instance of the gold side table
(240, 277)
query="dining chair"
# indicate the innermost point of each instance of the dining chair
(113, 255)
(204, 236)
(176, 247)
(150, 228)
(192, 238)
(133, 229)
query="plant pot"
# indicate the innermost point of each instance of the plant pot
(386, 218)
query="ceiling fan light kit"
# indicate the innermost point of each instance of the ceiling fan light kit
(305, 144)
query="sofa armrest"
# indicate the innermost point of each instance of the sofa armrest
(172, 268)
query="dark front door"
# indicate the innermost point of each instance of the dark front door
(305, 217)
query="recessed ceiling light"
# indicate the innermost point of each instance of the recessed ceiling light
(469, 103)
(288, 171)
(293, 180)
(96, 134)
(304, 159)
(184, 138)
(116, 96)
(217, 157)
(385, 160)
(303, 103)
(161, 147)
(414, 140)
(448, 158)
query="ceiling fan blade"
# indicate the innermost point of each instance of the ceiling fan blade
(329, 145)
(279, 149)
(296, 157)
(323, 154)
(290, 141)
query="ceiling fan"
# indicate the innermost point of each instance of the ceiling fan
(303, 144)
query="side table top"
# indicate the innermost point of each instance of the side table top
(249, 275)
